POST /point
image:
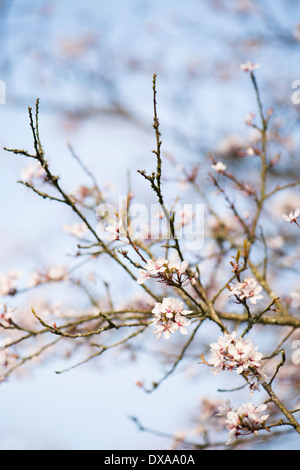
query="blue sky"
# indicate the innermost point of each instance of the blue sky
(88, 407)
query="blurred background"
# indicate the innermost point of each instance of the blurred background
(91, 65)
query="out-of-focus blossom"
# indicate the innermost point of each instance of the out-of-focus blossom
(7, 360)
(8, 281)
(5, 314)
(249, 119)
(54, 273)
(249, 66)
(293, 216)
(219, 167)
(275, 242)
(185, 216)
(249, 289)
(77, 230)
(295, 299)
(33, 172)
(114, 231)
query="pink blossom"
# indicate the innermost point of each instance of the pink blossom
(181, 323)
(166, 329)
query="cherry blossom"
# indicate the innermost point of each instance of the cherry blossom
(7, 360)
(249, 66)
(77, 230)
(219, 167)
(185, 216)
(292, 217)
(247, 419)
(249, 289)
(233, 353)
(6, 314)
(249, 119)
(8, 281)
(152, 268)
(32, 172)
(166, 271)
(54, 273)
(169, 316)
(114, 231)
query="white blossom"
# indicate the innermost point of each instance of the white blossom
(247, 419)
(185, 216)
(152, 268)
(169, 316)
(219, 167)
(77, 230)
(166, 271)
(54, 273)
(178, 267)
(249, 289)
(233, 353)
(32, 172)
(8, 281)
(292, 216)
(114, 231)
(249, 66)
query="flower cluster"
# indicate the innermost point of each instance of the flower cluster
(8, 282)
(249, 289)
(169, 316)
(243, 421)
(54, 273)
(169, 272)
(232, 353)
